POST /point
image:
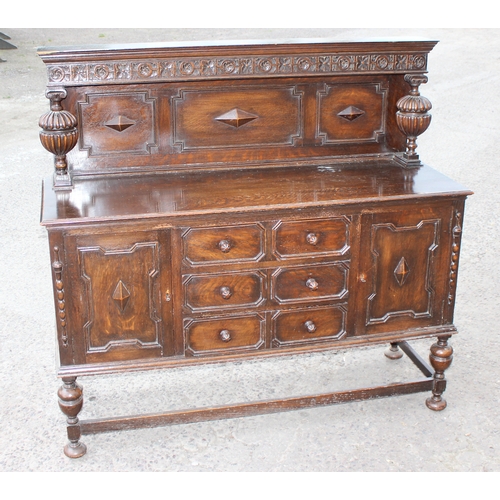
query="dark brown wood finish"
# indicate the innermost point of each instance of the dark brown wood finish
(226, 201)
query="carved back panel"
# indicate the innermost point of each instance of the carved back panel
(152, 108)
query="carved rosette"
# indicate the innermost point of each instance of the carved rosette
(413, 118)
(59, 136)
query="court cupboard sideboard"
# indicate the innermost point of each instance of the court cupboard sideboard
(224, 201)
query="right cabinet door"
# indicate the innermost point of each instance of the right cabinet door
(404, 276)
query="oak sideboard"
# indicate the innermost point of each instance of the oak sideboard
(216, 202)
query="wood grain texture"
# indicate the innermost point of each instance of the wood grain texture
(248, 409)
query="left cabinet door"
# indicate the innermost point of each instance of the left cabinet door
(118, 295)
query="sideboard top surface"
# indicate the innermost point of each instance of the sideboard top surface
(48, 53)
(95, 199)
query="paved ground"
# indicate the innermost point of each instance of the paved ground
(398, 434)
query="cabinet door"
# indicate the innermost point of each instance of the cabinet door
(120, 296)
(405, 266)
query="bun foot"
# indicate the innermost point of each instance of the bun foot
(393, 352)
(75, 450)
(435, 404)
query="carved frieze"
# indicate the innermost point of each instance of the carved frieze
(191, 68)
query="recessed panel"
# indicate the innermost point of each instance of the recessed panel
(403, 271)
(114, 123)
(229, 117)
(351, 112)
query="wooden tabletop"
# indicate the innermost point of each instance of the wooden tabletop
(234, 191)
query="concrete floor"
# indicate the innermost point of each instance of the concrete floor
(396, 434)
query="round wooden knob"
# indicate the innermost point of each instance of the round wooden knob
(225, 336)
(225, 291)
(224, 246)
(310, 326)
(312, 284)
(312, 238)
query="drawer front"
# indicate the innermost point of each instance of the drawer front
(224, 244)
(308, 325)
(224, 291)
(224, 335)
(312, 237)
(228, 117)
(310, 283)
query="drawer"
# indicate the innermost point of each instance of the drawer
(224, 335)
(308, 325)
(224, 291)
(310, 283)
(228, 243)
(311, 237)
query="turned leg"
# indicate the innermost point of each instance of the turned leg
(394, 352)
(440, 358)
(71, 402)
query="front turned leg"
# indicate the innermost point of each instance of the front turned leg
(71, 402)
(440, 358)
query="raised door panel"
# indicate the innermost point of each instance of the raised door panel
(407, 268)
(120, 282)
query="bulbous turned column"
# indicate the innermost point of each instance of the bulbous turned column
(413, 119)
(441, 357)
(59, 136)
(70, 402)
